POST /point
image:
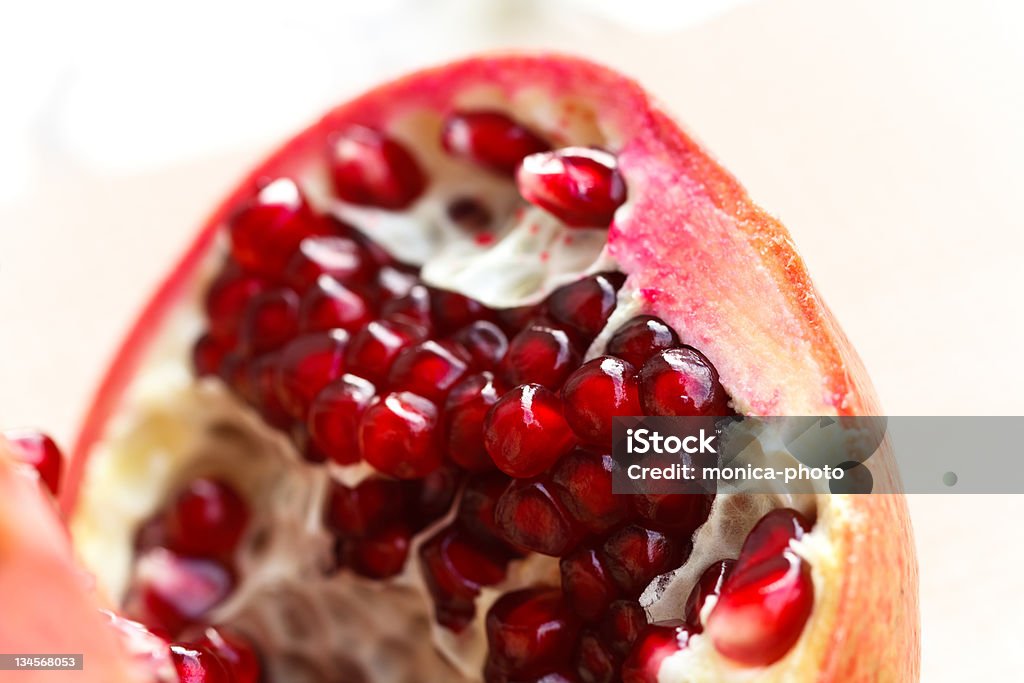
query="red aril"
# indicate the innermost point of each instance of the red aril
(38, 450)
(306, 365)
(368, 167)
(490, 138)
(206, 518)
(529, 632)
(580, 186)
(398, 435)
(373, 349)
(465, 410)
(596, 393)
(334, 417)
(525, 431)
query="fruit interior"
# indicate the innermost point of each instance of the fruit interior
(372, 434)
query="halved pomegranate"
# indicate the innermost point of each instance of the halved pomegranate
(362, 432)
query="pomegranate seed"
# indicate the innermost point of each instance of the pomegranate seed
(234, 652)
(306, 365)
(339, 257)
(586, 583)
(478, 502)
(455, 568)
(531, 517)
(464, 414)
(654, 646)
(355, 512)
(540, 355)
(198, 664)
(262, 385)
(267, 231)
(452, 310)
(334, 418)
(38, 450)
(597, 392)
(398, 435)
(586, 304)
(525, 432)
(681, 382)
(207, 518)
(513, 320)
(208, 354)
(491, 139)
(580, 186)
(530, 632)
(470, 214)
(709, 585)
(762, 609)
(369, 168)
(430, 498)
(772, 535)
(622, 625)
(382, 554)
(329, 303)
(430, 369)
(584, 486)
(640, 338)
(171, 591)
(226, 301)
(393, 282)
(412, 308)
(270, 319)
(595, 662)
(485, 343)
(681, 513)
(374, 348)
(635, 555)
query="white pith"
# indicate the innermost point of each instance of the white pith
(164, 435)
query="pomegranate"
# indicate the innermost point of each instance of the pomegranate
(363, 430)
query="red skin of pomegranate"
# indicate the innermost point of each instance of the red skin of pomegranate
(691, 235)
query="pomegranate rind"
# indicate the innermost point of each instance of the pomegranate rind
(713, 265)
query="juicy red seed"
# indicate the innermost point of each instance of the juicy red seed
(579, 185)
(262, 384)
(369, 168)
(465, 411)
(374, 348)
(234, 372)
(234, 652)
(452, 310)
(470, 214)
(394, 281)
(635, 555)
(491, 139)
(622, 625)
(601, 389)
(584, 485)
(399, 435)
(654, 646)
(595, 661)
(586, 304)
(680, 513)
(206, 518)
(455, 568)
(485, 343)
(382, 554)
(306, 365)
(512, 320)
(39, 451)
(339, 257)
(430, 369)
(171, 591)
(334, 417)
(270, 319)
(268, 230)
(762, 609)
(640, 338)
(207, 355)
(354, 512)
(772, 535)
(430, 498)
(525, 432)
(530, 516)
(329, 303)
(588, 587)
(198, 664)
(226, 301)
(681, 382)
(530, 632)
(478, 503)
(709, 584)
(413, 308)
(540, 354)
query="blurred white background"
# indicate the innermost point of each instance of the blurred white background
(885, 133)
